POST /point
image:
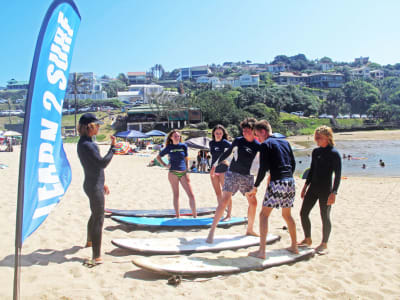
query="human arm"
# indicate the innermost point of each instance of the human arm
(337, 169)
(226, 154)
(90, 152)
(312, 168)
(106, 189)
(264, 164)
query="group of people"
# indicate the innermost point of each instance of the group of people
(276, 156)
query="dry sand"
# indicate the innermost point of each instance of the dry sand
(363, 263)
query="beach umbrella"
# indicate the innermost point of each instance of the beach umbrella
(11, 133)
(131, 134)
(121, 148)
(155, 133)
(201, 143)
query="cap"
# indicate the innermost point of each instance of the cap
(89, 118)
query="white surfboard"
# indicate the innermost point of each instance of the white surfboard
(217, 264)
(180, 245)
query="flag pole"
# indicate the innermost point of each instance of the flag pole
(22, 164)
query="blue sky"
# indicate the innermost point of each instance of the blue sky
(130, 35)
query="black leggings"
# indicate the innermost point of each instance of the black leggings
(96, 220)
(310, 199)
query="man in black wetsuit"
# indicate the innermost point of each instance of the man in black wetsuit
(93, 165)
(238, 177)
(325, 161)
(276, 156)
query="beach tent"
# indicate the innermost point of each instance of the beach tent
(278, 135)
(201, 143)
(131, 134)
(156, 133)
(11, 133)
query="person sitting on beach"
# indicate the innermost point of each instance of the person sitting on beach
(193, 167)
(276, 156)
(238, 177)
(95, 188)
(219, 145)
(324, 162)
(178, 167)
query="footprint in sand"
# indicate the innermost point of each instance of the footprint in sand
(76, 272)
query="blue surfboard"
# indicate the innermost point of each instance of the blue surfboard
(176, 223)
(159, 213)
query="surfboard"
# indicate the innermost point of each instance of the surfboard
(218, 264)
(186, 245)
(159, 213)
(172, 223)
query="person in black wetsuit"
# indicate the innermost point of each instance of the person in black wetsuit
(276, 156)
(238, 177)
(325, 161)
(219, 145)
(93, 166)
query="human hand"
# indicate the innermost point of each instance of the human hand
(331, 199)
(303, 192)
(252, 192)
(113, 140)
(212, 171)
(106, 190)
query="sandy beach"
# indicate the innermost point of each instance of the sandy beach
(363, 263)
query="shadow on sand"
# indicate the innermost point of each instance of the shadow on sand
(42, 257)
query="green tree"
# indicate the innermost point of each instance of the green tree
(262, 112)
(334, 102)
(113, 87)
(77, 83)
(122, 77)
(385, 111)
(360, 95)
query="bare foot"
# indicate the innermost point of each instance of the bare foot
(258, 254)
(226, 219)
(88, 244)
(307, 242)
(293, 249)
(252, 233)
(322, 249)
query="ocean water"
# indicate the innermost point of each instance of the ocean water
(370, 153)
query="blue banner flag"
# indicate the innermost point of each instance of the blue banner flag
(45, 173)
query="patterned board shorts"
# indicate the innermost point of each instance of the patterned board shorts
(280, 193)
(237, 182)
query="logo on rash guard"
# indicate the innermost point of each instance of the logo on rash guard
(247, 149)
(177, 150)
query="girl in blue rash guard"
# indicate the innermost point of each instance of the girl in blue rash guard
(219, 145)
(238, 177)
(178, 169)
(324, 162)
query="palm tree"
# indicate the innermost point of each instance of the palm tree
(78, 81)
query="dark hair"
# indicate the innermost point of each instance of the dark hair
(248, 123)
(263, 124)
(169, 140)
(224, 132)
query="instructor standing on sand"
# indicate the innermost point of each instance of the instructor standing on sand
(93, 165)
(324, 162)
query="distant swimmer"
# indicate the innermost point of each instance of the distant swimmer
(381, 163)
(364, 166)
(344, 156)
